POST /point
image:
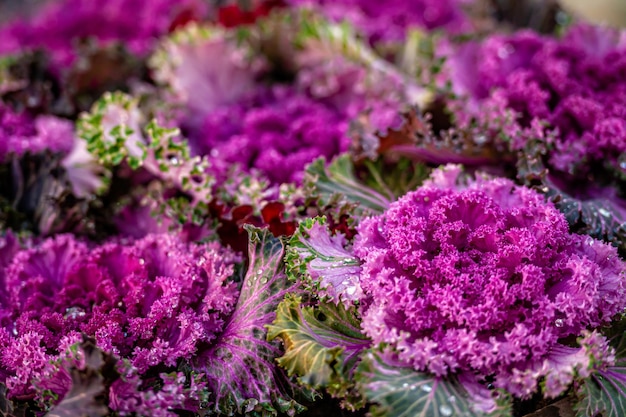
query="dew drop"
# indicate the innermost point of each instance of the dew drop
(559, 322)
(427, 388)
(264, 280)
(142, 261)
(174, 160)
(351, 290)
(480, 139)
(74, 313)
(426, 199)
(259, 272)
(622, 165)
(405, 385)
(445, 410)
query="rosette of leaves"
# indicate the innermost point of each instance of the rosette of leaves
(299, 82)
(188, 331)
(426, 365)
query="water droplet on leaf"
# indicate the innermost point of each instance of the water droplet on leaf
(445, 410)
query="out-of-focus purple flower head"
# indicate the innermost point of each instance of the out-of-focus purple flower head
(390, 20)
(482, 276)
(21, 133)
(573, 86)
(151, 301)
(58, 25)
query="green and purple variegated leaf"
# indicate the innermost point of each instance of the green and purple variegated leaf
(323, 345)
(336, 185)
(240, 366)
(88, 393)
(404, 392)
(604, 393)
(321, 259)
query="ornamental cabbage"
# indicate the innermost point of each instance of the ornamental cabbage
(525, 86)
(483, 278)
(153, 301)
(59, 24)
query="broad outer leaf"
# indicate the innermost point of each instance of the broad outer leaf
(316, 256)
(338, 185)
(604, 393)
(6, 407)
(240, 367)
(88, 394)
(404, 392)
(597, 210)
(322, 343)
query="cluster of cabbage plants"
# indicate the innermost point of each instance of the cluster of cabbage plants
(311, 207)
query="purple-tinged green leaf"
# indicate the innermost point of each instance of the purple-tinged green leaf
(404, 392)
(604, 393)
(337, 185)
(87, 396)
(323, 344)
(595, 208)
(321, 259)
(240, 366)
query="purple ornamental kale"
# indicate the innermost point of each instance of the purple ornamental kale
(390, 20)
(278, 133)
(21, 133)
(58, 25)
(484, 278)
(526, 85)
(280, 129)
(277, 128)
(152, 301)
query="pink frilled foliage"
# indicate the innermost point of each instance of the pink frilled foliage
(21, 133)
(152, 302)
(485, 278)
(525, 85)
(59, 25)
(264, 125)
